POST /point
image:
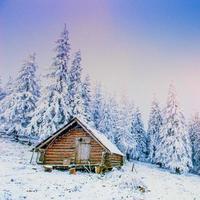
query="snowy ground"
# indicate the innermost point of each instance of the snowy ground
(21, 180)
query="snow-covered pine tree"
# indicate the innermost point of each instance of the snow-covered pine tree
(2, 119)
(22, 101)
(43, 123)
(2, 92)
(174, 150)
(129, 137)
(59, 82)
(87, 99)
(105, 123)
(97, 106)
(138, 133)
(153, 132)
(194, 132)
(120, 140)
(112, 108)
(108, 123)
(53, 109)
(6, 105)
(75, 88)
(9, 86)
(124, 139)
(61, 60)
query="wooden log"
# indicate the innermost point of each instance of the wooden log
(99, 169)
(58, 154)
(48, 168)
(59, 162)
(59, 150)
(72, 171)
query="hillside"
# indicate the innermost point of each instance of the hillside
(22, 180)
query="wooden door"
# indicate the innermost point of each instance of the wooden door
(83, 150)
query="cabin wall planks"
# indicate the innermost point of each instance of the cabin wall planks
(64, 148)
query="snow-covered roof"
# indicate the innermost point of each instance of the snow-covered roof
(102, 139)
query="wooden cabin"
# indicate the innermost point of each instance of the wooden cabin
(79, 145)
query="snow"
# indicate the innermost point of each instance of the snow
(22, 180)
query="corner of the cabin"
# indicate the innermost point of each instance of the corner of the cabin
(40, 156)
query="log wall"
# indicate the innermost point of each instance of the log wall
(116, 160)
(64, 147)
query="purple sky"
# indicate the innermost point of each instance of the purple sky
(134, 47)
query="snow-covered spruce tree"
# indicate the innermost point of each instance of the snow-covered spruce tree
(2, 92)
(113, 110)
(120, 140)
(98, 104)
(108, 123)
(44, 122)
(2, 119)
(9, 86)
(75, 88)
(124, 139)
(53, 108)
(174, 150)
(194, 131)
(87, 99)
(138, 133)
(105, 123)
(153, 132)
(22, 100)
(6, 105)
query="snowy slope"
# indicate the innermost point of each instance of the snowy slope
(21, 180)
